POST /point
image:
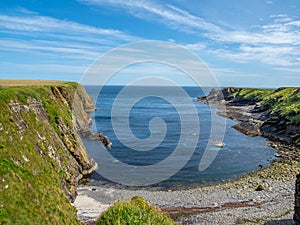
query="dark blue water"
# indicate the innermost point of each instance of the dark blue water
(240, 155)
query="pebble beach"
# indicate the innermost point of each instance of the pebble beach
(262, 197)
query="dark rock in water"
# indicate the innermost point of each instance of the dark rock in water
(202, 99)
(97, 136)
(297, 201)
(104, 140)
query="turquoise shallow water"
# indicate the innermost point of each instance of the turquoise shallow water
(240, 155)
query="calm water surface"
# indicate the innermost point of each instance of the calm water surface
(240, 155)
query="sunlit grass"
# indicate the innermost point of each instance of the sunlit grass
(134, 212)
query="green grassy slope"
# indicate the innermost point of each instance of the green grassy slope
(40, 155)
(282, 101)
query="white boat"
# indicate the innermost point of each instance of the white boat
(218, 143)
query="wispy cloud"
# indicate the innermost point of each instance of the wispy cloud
(168, 14)
(44, 24)
(25, 11)
(293, 70)
(50, 48)
(283, 30)
(53, 45)
(30, 33)
(279, 56)
(195, 46)
(275, 43)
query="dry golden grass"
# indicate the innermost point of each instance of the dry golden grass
(29, 82)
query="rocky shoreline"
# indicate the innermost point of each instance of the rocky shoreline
(257, 122)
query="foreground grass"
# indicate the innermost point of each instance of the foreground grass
(134, 212)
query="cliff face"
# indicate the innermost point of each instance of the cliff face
(42, 157)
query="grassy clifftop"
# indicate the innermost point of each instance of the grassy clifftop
(42, 157)
(282, 101)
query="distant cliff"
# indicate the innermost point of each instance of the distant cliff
(42, 157)
(274, 114)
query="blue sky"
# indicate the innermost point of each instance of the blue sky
(245, 43)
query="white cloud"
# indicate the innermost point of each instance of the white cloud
(36, 23)
(266, 55)
(195, 46)
(26, 11)
(167, 14)
(274, 43)
(280, 32)
(292, 70)
(63, 43)
(54, 49)
(45, 37)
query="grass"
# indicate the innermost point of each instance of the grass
(251, 94)
(34, 162)
(284, 102)
(134, 212)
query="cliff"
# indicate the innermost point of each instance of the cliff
(42, 157)
(274, 114)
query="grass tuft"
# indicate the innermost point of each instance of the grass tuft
(135, 212)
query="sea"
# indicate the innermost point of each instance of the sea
(148, 125)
